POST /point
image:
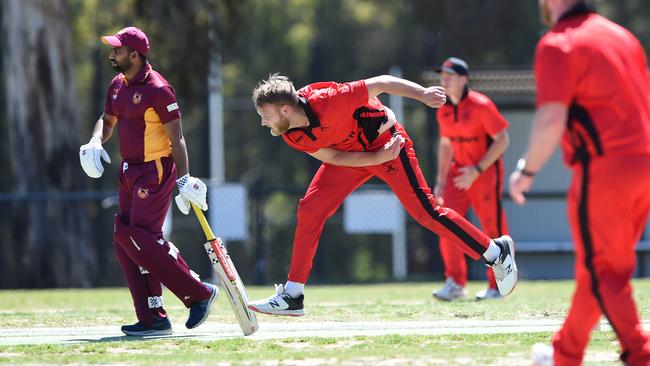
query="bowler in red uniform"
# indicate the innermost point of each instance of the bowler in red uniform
(143, 106)
(473, 138)
(356, 137)
(593, 98)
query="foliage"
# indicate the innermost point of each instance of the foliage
(309, 40)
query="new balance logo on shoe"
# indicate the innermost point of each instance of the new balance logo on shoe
(280, 304)
(505, 267)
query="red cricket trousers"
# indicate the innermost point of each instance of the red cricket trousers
(608, 205)
(484, 196)
(332, 184)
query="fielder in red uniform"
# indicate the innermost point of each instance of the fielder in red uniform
(473, 137)
(356, 137)
(143, 106)
(593, 97)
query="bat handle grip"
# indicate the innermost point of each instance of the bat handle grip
(204, 222)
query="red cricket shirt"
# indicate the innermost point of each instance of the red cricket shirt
(470, 125)
(142, 106)
(599, 70)
(340, 117)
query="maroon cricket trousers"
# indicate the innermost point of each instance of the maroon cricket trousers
(146, 258)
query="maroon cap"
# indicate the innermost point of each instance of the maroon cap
(131, 37)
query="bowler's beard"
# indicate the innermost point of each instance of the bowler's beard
(124, 66)
(281, 127)
(545, 13)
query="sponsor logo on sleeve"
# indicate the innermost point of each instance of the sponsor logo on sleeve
(172, 107)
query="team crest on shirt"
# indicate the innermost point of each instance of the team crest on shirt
(143, 192)
(137, 98)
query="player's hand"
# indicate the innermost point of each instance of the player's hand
(519, 184)
(90, 156)
(438, 191)
(467, 176)
(391, 149)
(191, 190)
(434, 96)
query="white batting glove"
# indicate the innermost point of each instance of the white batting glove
(191, 190)
(90, 156)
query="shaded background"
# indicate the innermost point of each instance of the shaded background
(56, 223)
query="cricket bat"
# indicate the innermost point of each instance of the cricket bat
(230, 281)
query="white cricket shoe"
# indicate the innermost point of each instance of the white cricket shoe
(488, 294)
(542, 355)
(451, 291)
(280, 304)
(504, 267)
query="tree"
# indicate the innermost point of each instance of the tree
(51, 244)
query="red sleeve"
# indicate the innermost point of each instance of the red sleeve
(493, 121)
(165, 105)
(345, 98)
(299, 140)
(553, 74)
(442, 124)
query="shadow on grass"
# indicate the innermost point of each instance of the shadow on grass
(126, 338)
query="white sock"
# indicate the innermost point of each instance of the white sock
(294, 289)
(492, 252)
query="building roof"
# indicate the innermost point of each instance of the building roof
(505, 87)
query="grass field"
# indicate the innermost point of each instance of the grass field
(41, 310)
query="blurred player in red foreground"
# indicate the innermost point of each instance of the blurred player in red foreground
(356, 137)
(143, 106)
(473, 137)
(593, 96)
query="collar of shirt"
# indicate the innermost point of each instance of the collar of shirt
(141, 76)
(311, 115)
(462, 96)
(580, 8)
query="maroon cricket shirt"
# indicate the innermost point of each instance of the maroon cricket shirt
(142, 106)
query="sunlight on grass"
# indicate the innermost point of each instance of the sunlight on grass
(39, 309)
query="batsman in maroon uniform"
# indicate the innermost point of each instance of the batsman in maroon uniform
(356, 137)
(593, 95)
(142, 104)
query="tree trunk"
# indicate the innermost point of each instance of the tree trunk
(51, 244)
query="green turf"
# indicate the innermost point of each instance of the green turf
(383, 302)
(500, 349)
